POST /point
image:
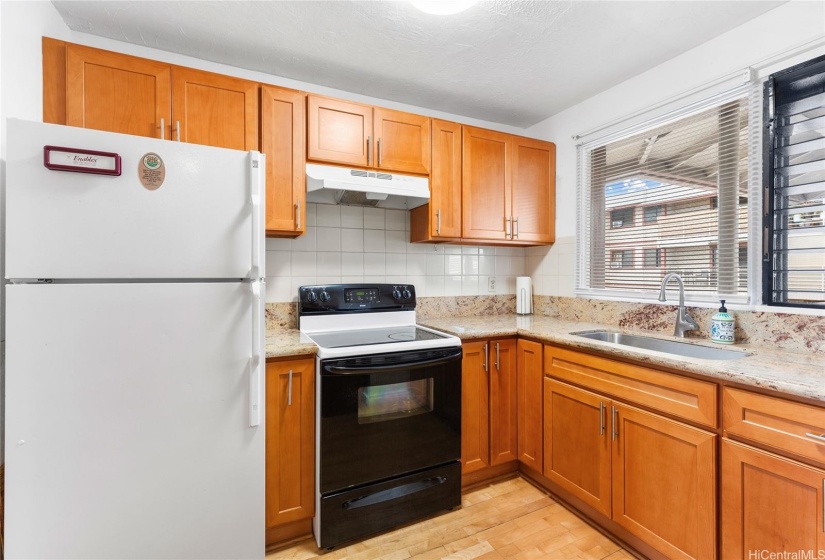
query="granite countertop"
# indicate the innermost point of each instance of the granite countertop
(794, 373)
(281, 343)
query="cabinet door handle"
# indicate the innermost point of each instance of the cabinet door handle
(820, 438)
(162, 128)
(601, 418)
(438, 222)
(289, 390)
(369, 150)
(298, 215)
(515, 227)
(615, 423)
(378, 146)
(498, 358)
(507, 228)
(486, 354)
(177, 130)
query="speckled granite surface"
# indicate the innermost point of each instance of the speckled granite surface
(795, 373)
(287, 342)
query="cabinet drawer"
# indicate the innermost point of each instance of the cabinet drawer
(776, 422)
(672, 394)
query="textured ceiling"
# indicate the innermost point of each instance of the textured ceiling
(513, 62)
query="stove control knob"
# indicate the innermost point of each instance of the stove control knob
(311, 297)
(396, 293)
(324, 296)
(407, 294)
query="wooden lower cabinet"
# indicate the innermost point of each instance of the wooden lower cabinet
(290, 448)
(529, 388)
(770, 505)
(489, 436)
(654, 477)
(664, 482)
(577, 443)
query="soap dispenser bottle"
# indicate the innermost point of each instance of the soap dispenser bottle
(722, 326)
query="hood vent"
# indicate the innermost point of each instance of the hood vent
(328, 184)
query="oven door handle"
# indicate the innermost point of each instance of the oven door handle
(393, 493)
(343, 370)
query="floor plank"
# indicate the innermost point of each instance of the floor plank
(506, 520)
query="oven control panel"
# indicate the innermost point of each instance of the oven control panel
(336, 298)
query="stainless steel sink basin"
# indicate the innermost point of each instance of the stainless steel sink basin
(667, 346)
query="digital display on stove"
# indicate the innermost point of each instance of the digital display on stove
(361, 295)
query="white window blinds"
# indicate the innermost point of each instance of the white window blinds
(671, 196)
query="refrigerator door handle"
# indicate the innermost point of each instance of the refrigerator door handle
(257, 164)
(256, 360)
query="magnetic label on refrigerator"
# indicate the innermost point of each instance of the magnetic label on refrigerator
(151, 171)
(58, 158)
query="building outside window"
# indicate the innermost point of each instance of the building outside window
(653, 258)
(621, 259)
(622, 217)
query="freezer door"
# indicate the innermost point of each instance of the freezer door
(200, 223)
(128, 422)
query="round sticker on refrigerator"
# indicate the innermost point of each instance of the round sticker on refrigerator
(151, 171)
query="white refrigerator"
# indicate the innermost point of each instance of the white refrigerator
(134, 348)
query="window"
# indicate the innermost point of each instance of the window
(793, 259)
(653, 258)
(688, 173)
(621, 259)
(623, 217)
(652, 214)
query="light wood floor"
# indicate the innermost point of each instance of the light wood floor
(509, 519)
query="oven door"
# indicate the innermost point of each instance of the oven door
(388, 415)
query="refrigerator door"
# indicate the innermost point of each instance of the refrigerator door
(128, 422)
(200, 223)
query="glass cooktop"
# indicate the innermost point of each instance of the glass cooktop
(367, 337)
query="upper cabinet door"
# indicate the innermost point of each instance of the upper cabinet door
(282, 140)
(117, 93)
(214, 110)
(402, 141)
(445, 180)
(534, 190)
(339, 131)
(486, 184)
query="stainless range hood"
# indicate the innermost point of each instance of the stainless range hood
(328, 184)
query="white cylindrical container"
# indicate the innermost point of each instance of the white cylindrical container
(524, 295)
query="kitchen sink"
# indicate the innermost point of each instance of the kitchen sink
(684, 349)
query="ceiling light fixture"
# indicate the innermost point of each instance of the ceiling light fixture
(443, 7)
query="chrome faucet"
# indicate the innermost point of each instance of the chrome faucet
(684, 322)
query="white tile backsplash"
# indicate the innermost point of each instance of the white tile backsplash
(351, 244)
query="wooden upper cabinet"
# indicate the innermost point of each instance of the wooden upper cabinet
(290, 441)
(769, 504)
(339, 131)
(503, 402)
(664, 483)
(402, 141)
(486, 184)
(354, 134)
(528, 385)
(111, 91)
(534, 190)
(577, 443)
(214, 110)
(475, 407)
(440, 219)
(282, 140)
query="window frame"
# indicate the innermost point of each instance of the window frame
(768, 202)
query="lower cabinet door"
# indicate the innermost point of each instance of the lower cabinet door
(528, 384)
(475, 407)
(503, 402)
(577, 443)
(290, 441)
(770, 506)
(664, 482)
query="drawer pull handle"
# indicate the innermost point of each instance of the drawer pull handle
(289, 390)
(820, 438)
